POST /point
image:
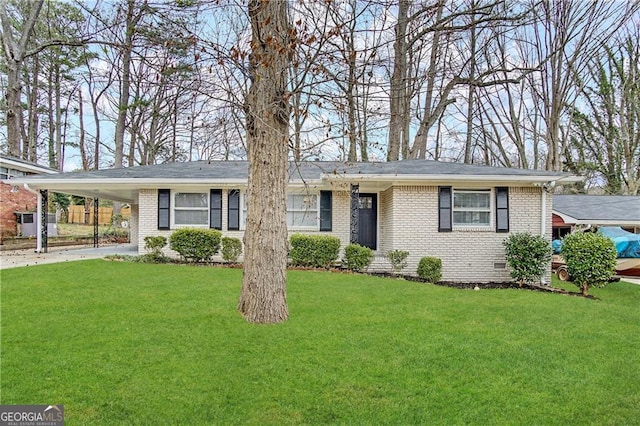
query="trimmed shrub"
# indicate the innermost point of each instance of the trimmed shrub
(590, 258)
(195, 245)
(231, 249)
(154, 245)
(357, 257)
(430, 269)
(528, 256)
(398, 259)
(317, 251)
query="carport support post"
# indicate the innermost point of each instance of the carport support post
(42, 245)
(95, 222)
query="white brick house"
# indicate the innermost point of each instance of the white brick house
(459, 213)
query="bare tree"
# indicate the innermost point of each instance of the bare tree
(567, 34)
(605, 132)
(15, 51)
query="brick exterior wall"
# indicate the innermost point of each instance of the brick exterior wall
(407, 220)
(10, 202)
(467, 254)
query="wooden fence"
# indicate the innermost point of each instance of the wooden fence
(77, 214)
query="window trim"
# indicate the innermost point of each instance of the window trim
(175, 225)
(316, 226)
(242, 215)
(489, 209)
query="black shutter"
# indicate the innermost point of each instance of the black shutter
(164, 209)
(502, 209)
(234, 210)
(215, 209)
(444, 209)
(325, 211)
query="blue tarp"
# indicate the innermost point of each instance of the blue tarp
(627, 243)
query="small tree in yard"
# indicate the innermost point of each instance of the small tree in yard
(590, 258)
(528, 256)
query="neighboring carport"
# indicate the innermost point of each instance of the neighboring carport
(584, 210)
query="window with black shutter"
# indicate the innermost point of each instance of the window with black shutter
(215, 209)
(325, 211)
(164, 209)
(234, 210)
(502, 209)
(444, 209)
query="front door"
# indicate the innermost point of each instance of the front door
(368, 220)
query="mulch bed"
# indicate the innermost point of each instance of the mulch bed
(486, 285)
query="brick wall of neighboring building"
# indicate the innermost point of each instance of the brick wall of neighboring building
(10, 202)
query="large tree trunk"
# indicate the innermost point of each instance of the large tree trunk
(397, 97)
(123, 103)
(263, 297)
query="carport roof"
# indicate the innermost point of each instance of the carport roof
(598, 209)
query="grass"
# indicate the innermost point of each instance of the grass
(125, 343)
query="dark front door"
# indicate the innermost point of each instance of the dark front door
(368, 220)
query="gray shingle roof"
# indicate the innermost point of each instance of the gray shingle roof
(594, 208)
(210, 171)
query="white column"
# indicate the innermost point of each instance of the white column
(39, 224)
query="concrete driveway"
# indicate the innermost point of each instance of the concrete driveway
(17, 258)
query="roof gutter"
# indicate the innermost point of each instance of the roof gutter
(452, 178)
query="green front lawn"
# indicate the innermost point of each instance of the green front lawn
(125, 343)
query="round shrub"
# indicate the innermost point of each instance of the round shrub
(195, 245)
(357, 257)
(317, 251)
(430, 269)
(590, 259)
(528, 256)
(231, 249)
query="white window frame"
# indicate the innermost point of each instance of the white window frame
(175, 208)
(454, 209)
(316, 211)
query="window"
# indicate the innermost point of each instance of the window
(8, 173)
(191, 208)
(302, 210)
(471, 208)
